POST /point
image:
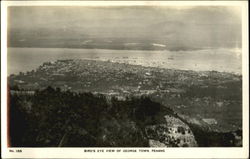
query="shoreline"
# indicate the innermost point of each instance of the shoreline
(133, 64)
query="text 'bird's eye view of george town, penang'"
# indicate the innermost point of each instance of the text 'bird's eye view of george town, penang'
(124, 76)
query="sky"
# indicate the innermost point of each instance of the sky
(200, 26)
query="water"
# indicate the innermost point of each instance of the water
(223, 60)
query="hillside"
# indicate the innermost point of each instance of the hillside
(53, 118)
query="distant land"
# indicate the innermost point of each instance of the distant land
(95, 43)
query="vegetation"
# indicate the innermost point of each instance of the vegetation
(215, 139)
(52, 118)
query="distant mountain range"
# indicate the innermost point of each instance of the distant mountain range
(71, 39)
(114, 44)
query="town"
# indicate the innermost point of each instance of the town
(199, 97)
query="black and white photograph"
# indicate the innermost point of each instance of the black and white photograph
(137, 76)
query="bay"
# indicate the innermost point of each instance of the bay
(222, 60)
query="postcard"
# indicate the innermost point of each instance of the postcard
(124, 79)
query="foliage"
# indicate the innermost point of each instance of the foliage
(77, 119)
(52, 118)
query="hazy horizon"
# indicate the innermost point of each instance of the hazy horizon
(125, 27)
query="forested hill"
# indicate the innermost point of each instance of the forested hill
(55, 118)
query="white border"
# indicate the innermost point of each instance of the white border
(169, 152)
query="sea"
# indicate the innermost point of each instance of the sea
(222, 59)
